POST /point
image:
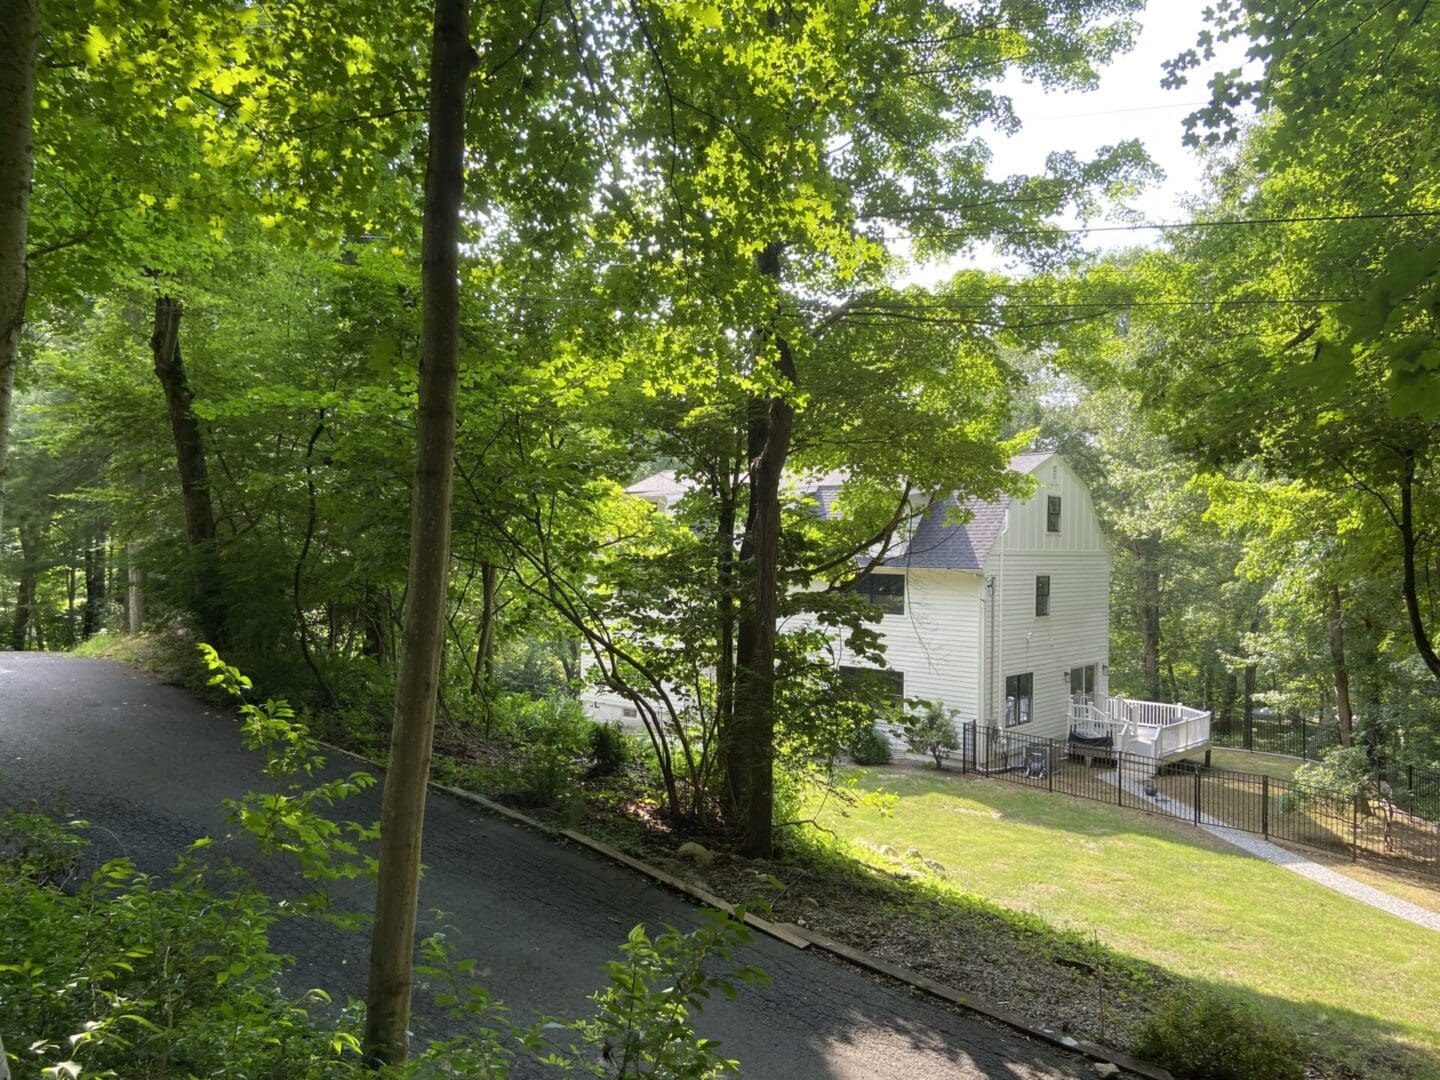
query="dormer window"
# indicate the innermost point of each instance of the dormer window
(1052, 514)
(885, 591)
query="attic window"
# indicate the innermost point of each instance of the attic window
(885, 591)
(1042, 594)
(1052, 514)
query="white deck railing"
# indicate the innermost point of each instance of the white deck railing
(1152, 728)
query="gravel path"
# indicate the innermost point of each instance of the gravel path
(1296, 864)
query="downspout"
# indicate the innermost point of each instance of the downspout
(988, 701)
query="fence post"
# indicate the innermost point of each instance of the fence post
(1304, 735)
(1119, 778)
(988, 740)
(1265, 805)
(1197, 796)
(1355, 829)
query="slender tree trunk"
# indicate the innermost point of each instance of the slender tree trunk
(94, 587)
(1248, 703)
(27, 607)
(1335, 616)
(725, 635)
(769, 425)
(1147, 571)
(484, 669)
(1418, 631)
(135, 589)
(402, 814)
(19, 40)
(190, 456)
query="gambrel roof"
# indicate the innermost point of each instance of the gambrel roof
(936, 543)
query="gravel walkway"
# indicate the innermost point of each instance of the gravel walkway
(1297, 864)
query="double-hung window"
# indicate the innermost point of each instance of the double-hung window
(1052, 514)
(886, 683)
(1042, 594)
(885, 591)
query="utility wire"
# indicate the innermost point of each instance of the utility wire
(1171, 226)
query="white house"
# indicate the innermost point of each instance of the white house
(999, 612)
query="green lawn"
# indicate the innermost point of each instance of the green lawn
(1172, 895)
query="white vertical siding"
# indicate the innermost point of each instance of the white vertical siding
(1077, 630)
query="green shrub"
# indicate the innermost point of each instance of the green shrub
(932, 731)
(1216, 1039)
(869, 747)
(609, 749)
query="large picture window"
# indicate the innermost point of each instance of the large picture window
(885, 591)
(1042, 594)
(883, 682)
(1052, 514)
(1019, 698)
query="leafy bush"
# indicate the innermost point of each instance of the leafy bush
(552, 735)
(1213, 1038)
(609, 749)
(869, 747)
(932, 731)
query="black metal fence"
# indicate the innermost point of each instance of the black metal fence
(1397, 821)
(1298, 736)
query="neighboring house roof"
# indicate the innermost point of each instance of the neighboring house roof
(935, 544)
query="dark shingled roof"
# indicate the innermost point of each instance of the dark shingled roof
(935, 544)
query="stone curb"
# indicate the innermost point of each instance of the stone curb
(800, 937)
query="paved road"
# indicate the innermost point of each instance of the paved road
(146, 764)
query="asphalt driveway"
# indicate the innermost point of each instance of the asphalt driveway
(147, 765)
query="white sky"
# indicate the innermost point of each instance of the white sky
(1128, 104)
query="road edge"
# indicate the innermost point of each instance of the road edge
(799, 937)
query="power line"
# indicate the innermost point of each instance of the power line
(1171, 226)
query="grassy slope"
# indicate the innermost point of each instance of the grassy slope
(1174, 896)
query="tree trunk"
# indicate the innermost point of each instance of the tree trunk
(27, 608)
(94, 587)
(135, 589)
(752, 755)
(1335, 615)
(402, 814)
(1147, 573)
(1418, 631)
(484, 670)
(725, 631)
(1248, 703)
(190, 456)
(19, 40)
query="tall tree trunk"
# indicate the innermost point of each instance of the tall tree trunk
(27, 607)
(190, 456)
(1248, 703)
(1418, 631)
(484, 669)
(1335, 616)
(725, 630)
(94, 586)
(19, 41)
(135, 589)
(768, 430)
(402, 814)
(1147, 572)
